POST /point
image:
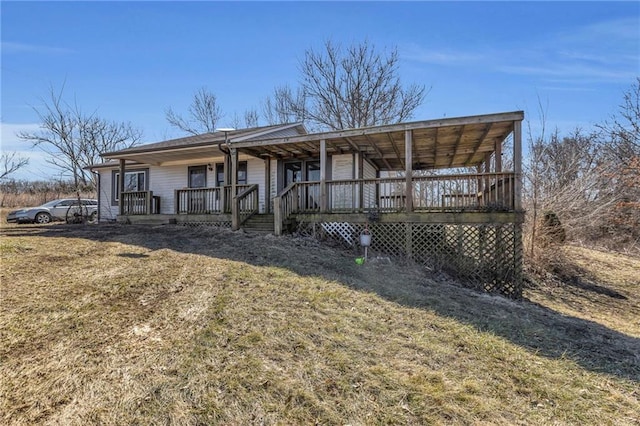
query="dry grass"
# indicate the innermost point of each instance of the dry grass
(594, 285)
(116, 324)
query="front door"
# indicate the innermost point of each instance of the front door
(197, 179)
(304, 171)
(312, 193)
(292, 173)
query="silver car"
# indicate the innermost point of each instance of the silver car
(55, 210)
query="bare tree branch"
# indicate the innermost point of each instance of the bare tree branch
(346, 88)
(74, 140)
(251, 118)
(204, 114)
(11, 163)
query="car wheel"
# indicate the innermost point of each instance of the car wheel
(43, 218)
(93, 217)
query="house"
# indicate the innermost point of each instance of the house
(435, 191)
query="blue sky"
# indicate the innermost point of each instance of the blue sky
(130, 61)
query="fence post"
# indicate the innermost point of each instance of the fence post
(408, 158)
(149, 207)
(277, 216)
(295, 207)
(235, 219)
(408, 240)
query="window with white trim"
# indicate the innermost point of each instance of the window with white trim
(134, 180)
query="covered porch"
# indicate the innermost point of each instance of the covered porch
(446, 165)
(446, 192)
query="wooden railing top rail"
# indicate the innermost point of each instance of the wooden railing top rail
(287, 189)
(417, 178)
(135, 192)
(247, 191)
(401, 179)
(212, 188)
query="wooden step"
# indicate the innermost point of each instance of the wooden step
(260, 222)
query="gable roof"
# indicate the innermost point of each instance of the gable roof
(208, 139)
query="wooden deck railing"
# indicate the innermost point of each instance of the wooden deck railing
(139, 203)
(198, 201)
(245, 205)
(482, 191)
(460, 192)
(206, 200)
(228, 198)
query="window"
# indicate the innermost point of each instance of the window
(292, 172)
(298, 171)
(198, 177)
(219, 174)
(242, 174)
(134, 180)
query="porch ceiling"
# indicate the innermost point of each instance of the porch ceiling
(436, 144)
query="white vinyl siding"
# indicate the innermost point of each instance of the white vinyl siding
(107, 212)
(255, 175)
(342, 168)
(164, 180)
(369, 198)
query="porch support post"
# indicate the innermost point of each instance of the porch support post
(498, 153)
(267, 185)
(517, 165)
(235, 213)
(408, 160)
(121, 186)
(149, 202)
(360, 178)
(479, 180)
(227, 169)
(488, 180)
(323, 175)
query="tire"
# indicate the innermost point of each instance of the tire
(77, 214)
(42, 218)
(93, 217)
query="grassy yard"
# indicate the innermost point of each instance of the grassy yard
(111, 324)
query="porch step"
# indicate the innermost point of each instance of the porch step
(144, 220)
(259, 222)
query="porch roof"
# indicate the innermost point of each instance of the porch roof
(435, 144)
(196, 147)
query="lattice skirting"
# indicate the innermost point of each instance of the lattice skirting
(483, 256)
(204, 223)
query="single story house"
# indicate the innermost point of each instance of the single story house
(445, 192)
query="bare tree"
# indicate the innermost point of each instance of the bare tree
(285, 106)
(74, 140)
(622, 130)
(251, 118)
(346, 88)
(203, 117)
(620, 146)
(10, 163)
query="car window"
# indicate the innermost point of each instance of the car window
(64, 203)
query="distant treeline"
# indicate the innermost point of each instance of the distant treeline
(22, 193)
